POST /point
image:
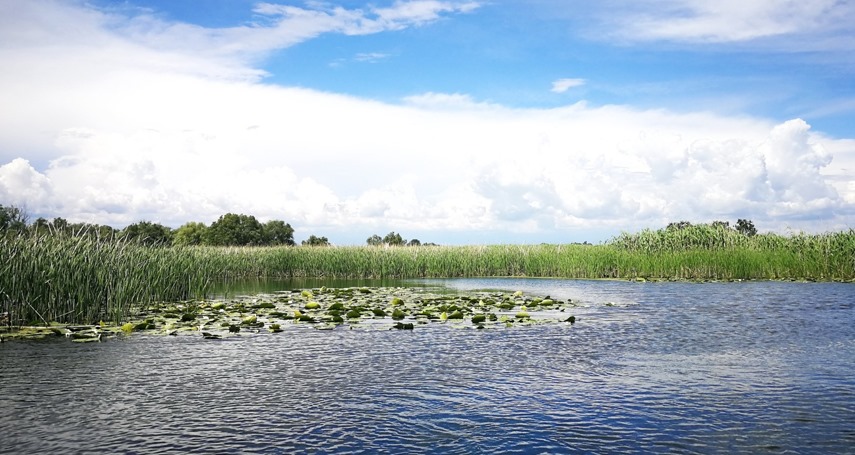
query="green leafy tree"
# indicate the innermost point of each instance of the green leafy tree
(40, 226)
(192, 233)
(374, 240)
(414, 242)
(60, 226)
(108, 232)
(144, 232)
(316, 241)
(721, 224)
(678, 226)
(233, 229)
(278, 232)
(746, 227)
(394, 239)
(12, 219)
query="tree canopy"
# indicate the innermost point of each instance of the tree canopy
(316, 241)
(276, 232)
(192, 233)
(148, 233)
(12, 219)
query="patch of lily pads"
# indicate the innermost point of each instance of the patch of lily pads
(355, 308)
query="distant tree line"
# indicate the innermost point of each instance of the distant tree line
(229, 230)
(744, 227)
(394, 239)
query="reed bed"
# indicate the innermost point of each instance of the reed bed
(45, 278)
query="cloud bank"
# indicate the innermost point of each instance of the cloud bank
(105, 129)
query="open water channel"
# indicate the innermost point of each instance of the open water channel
(755, 367)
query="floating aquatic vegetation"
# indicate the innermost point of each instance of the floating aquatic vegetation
(353, 308)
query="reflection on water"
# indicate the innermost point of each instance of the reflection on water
(649, 367)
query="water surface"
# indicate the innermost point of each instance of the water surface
(648, 367)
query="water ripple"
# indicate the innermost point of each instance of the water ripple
(677, 367)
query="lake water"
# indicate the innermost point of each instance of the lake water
(756, 367)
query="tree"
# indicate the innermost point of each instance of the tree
(316, 241)
(144, 232)
(721, 224)
(374, 240)
(232, 229)
(414, 242)
(59, 226)
(278, 232)
(394, 239)
(192, 233)
(108, 232)
(12, 219)
(746, 227)
(40, 226)
(678, 226)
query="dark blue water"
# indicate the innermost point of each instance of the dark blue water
(648, 367)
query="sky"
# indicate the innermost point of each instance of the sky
(449, 121)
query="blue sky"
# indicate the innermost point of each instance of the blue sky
(451, 121)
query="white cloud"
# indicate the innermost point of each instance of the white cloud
(727, 20)
(370, 57)
(120, 139)
(562, 85)
(286, 25)
(191, 49)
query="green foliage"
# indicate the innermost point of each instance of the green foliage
(746, 227)
(316, 241)
(235, 230)
(277, 232)
(12, 219)
(394, 239)
(147, 233)
(60, 226)
(192, 233)
(680, 225)
(78, 278)
(81, 279)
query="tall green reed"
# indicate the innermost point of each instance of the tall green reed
(45, 278)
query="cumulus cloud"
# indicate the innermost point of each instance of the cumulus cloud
(562, 85)
(119, 139)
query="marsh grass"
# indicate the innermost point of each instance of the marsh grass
(45, 278)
